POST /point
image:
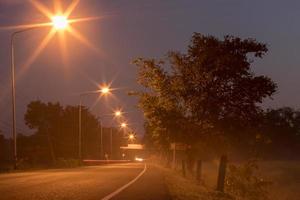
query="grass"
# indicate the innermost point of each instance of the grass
(181, 188)
(284, 175)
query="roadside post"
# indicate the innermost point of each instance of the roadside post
(176, 147)
(183, 168)
(222, 173)
(199, 170)
(173, 147)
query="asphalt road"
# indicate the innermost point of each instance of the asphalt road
(86, 183)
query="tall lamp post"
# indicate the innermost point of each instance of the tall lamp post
(123, 126)
(58, 23)
(131, 137)
(101, 138)
(104, 91)
(117, 114)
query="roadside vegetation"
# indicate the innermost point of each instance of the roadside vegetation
(54, 142)
(273, 180)
(181, 188)
(209, 101)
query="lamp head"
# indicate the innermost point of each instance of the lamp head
(123, 125)
(131, 136)
(105, 90)
(60, 22)
(118, 113)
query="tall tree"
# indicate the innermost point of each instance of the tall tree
(46, 119)
(57, 127)
(209, 90)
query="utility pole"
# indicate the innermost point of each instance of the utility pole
(79, 128)
(101, 140)
(111, 142)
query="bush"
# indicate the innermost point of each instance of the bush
(243, 182)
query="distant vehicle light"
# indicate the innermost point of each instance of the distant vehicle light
(139, 159)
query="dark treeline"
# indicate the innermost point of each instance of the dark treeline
(280, 137)
(277, 136)
(210, 100)
(56, 136)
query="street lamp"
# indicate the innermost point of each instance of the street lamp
(58, 23)
(104, 90)
(118, 113)
(131, 136)
(123, 125)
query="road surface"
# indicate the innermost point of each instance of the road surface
(120, 181)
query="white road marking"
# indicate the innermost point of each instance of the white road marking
(111, 195)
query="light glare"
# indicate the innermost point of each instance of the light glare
(131, 136)
(60, 22)
(118, 113)
(139, 159)
(105, 90)
(123, 125)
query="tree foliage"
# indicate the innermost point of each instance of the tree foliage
(280, 136)
(56, 133)
(209, 90)
(57, 127)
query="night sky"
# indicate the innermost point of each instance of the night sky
(139, 28)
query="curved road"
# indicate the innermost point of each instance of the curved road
(86, 183)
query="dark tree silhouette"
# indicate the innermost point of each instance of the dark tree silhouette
(210, 90)
(2, 146)
(57, 129)
(280, 137)
(56, 134)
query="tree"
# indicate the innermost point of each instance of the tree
(5, 152)
(57, 130)
(281, 129)
(46, 119)
(210, 90)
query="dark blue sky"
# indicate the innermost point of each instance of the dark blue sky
(141, 28)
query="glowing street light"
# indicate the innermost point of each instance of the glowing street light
(118, 113)
(105, 90)
(60, 22)
(131, 136)
(123, 125)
